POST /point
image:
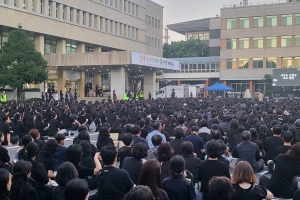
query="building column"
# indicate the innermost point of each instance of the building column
(67, 13)
(122, 30)
(19, 4)
(10, 2)
(74, 15)
(97, 22)
(178, 82)
(102, 27)
(86, 19)
(53, 9)
(36, 6)
(80, 17)
(61, 47)
(92, 21)
(97, 49)
(80, 48)
(149, 83)
(108, 25)
(97, 79)
(117, 81)
(206, 85)
(113, 27)
(28, 5)
(251, 87)
(82, 84)
(39, 43)
(60, 12)
(61, 79)
(45, 7)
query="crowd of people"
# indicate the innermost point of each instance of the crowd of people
(177, 149)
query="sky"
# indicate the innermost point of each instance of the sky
(186, 10)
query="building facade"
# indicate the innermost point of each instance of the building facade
(88, 41)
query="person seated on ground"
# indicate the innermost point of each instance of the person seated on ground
(86, 159)
(211, 167)
(54, 125)
(60, 156)
(5, 184)
(157, 127)
(152, 152)
(197, 141)
(104, 138)
(133, 165)
(65, 173)
(76, 189)
(80, 128)
(4, 157)
(244, 184)
(259, 143)
(287, 137)
(176, 186)
(136, 132)
(220, 188)
(192, 162)
(20, 188)
(248, 151)
(164, 154)
(287, 166)
(150, 176)
(112, 183)
(36, 136)
(5, 129)
(126, 150)
(176, 143)
(140, 193)
(297, 195)
(273, 142)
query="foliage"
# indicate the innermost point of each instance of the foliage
(31, 90)
(20, 63)
(268, 79)
(136, 81)
(269, 93)
(190, 48)
(6, 90)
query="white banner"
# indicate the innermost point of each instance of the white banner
(153, 61)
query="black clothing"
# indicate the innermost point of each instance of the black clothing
(84, 171)
(58, 193)
(81, 119)
(176, 146)
(113, 183)
(29, 193)
(178, 188)
(47, 161)
(53, 128)
(28, 128)
(40, 126)
(105, 142)
(18, 129)
(192, 164)
(68, 122)
(165, 170)
(4, 157)
(282, 149)
(248, 151)
(209, 169)
(133, 166)
(4, 128)
(87, 161)
(144, 133)
(259, 192)
(271, 144)
(247, 126)
(282, 178)
(123, 153)
(197, 142)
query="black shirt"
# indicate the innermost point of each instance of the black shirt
(192, 163)
(178, 188)
(4, 157)
(123, 153)
(47, 161)
(113, 183)
(54, 126)
(68, 122)
(282, 149)
(281, 181)
(259, 192)
(197, 142)
(4, 128)
(81, 119)
(18, 129)
(271, 144)
(105, 142)
(29, 193)
(209, 169)
(84, 171)
(176, 145)
(248, 151)
(133, 166)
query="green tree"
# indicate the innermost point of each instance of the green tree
(20, 63)
(190, 48)
(268, 79)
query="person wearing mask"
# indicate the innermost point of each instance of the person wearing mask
(112, 183)
(76, 189)
(134, 164)
(248, 151)
(150, 176)
(176, 186)
(211, 167)
(244, 184)
(196, 141)
(157, 131)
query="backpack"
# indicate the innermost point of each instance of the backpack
(93, 126)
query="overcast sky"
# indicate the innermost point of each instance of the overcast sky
(185, 10)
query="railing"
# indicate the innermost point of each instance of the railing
(260, 3)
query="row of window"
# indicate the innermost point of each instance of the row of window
(243, 86)
(200, 36)
(258, 43)
(153, 42)
(153, 22)
(243, 63)
(123, 5)
(77, 16)
(197, 68)
(244, 22)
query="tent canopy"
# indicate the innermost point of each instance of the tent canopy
(218, 87)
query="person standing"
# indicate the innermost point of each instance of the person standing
(43, 96)
(61, 96)
(3, 97)
(75, 95)
(97, 91)
(86, 90)
(260, 96)
(149, 95)
(114, 96)
(173, 94)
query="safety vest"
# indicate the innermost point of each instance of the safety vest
(137, 96)
(3, 98)
(125, 97)
(141, 95)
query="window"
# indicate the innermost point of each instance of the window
(297, 18)
(243, 63)
(244, 22)
(189, 36)
(149, 21)
(217, 67)
(286, 62)
(240, 86)
(259, 86)
(148, 41)
(193, 68)
(71, 46)
(89, 48)
(286, 41)
(258, 22)
(231, 63)
(195, 36)
(231, 23)
(271, 42)
(158, 24)
(297, 62)
(286, 20)
(258, 63)
(258, 43)
(105, 82)
(205, 36)
(271, 63)
(231, 44)
(155, 25)
(297, 40)
(50, 46)
(244, 43)
(271, 20)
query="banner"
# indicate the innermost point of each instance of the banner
(153, 61)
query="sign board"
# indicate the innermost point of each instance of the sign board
(153, 61)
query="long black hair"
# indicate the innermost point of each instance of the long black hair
(4, 179)
(74, 154)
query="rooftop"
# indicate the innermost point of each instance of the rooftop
(260, 3)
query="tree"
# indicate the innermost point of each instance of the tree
(190, 48)
(20, 63)
(268, 79)
(136, 81)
